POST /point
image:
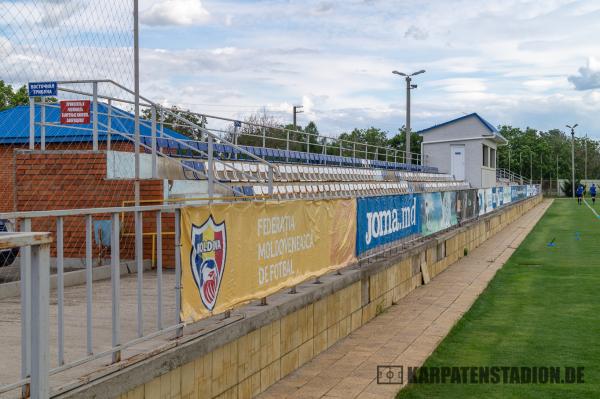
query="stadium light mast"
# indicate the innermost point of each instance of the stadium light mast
(572, 158)
(557, 174)
(409, 87)
(585, 169)
(297, 109)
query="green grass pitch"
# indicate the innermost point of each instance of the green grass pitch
(541, 309)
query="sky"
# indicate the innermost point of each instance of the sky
(521, 63)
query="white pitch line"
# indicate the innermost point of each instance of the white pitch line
(593, 210)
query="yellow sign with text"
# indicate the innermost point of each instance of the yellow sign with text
(234, 253)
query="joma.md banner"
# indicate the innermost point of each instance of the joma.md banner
(382, 220)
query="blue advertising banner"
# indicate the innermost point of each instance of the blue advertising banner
(518, 192)
(438, 211)
(382, 220)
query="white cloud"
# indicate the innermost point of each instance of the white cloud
(175, 12)
(416, 33)
(589, 76)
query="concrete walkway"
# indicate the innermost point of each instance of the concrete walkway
(407, 333)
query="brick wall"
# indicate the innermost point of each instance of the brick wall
(75, 179)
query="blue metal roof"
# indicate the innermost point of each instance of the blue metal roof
(14, 126)
(487, 124)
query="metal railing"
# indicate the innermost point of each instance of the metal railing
(157, 130)
(35, 268)
(511, 177)
(34, 286)
(328, 145)
(35, 298)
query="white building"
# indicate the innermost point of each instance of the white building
(465, 147)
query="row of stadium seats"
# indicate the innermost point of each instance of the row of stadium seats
(195, 149)
(237, 171)
(298, 191)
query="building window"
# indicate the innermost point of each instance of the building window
(492, 158)
(486, 154)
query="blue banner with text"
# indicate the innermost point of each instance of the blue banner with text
(382, 220)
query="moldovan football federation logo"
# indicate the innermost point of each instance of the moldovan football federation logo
(207, 259)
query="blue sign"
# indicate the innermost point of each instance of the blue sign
(518, 192)
(382, 220)
(42, 89)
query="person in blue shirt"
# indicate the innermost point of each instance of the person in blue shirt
(593, 193)
(579, 193)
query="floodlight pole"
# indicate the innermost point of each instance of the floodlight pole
(530, 167)
(409, 87)
(297, 109)
(541, 170)
(408, 154)
(585, 170)
(573, 158)
(557, 175)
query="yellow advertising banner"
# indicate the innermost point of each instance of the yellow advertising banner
(234, 253)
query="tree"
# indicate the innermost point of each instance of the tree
(567, 187)
(534, 154)
(399, 142)
(10, 98)
(173, 123)
(364, 143)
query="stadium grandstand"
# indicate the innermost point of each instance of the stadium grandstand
(235, 168)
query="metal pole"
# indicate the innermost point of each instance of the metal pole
(60, 289)
(88, 281)
(153, 145)
(25, 271)
(521, 166)
(557, 191)
(31, 123)
(287, 144)
(159, 265)
(585, 173)
(162, 122)
(509, 162)
(136, 61)
(95, 117)
(42, 124)
(40, 298)
(541, 171)
(307, 143)
(530, 166)
(573, 163)
(407, 148)
(210, 166)
(139, 262)
(109, 125)
(294, 111)
(179, 331)
(115, 278)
